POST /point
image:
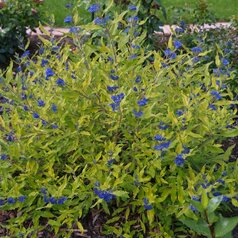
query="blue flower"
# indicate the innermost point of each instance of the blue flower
(44, 62)
(54, 107)
(216, 95)
(48, 73)
(135, 89)
(135, 46)
(22, 198)
(225, 199)
(164, 145)
(101, 21)
(53, 200)
(194, 209)
(134, 56)
(216, 72)
(41, 50)
(179, 30)
(182, 24)
(142, 102)
(173, 55)
(225, 62)
(177, 44)
(221, 181)
(19, 69)
(41, 103)
(133, 19)
(44, 123)
(60, 82)
(213, 107)
(2, 202)
(196, 49)
(61, 200)
(162, 126)
(11, 200)
(159, 138)
(68, 19)
(68, 5)
(147, 206)
(110, 59)
(54, 126)
(224, 173)
(43, 190)
(196, 59)
(179, 112)
(132, 8)
(114, 106)
(97, 184)
(114, 77)
(137, 114)
(112, 88)
(74, 29)
(25, 108)
(110, 162)
(55, 48)
(35, 115)
(185, 150)
(167, 52)
(23, 96)
(94, 8)
(118, 98)
(194, 198)
(46, 199)
(105, 195)
(179, 161)
(227, 50)
(10, 137)
(25, 54)
(170, 54)
(127, 29)
(138, 79)
(3, 157)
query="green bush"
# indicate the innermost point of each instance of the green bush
(99, 132)
(15, 17)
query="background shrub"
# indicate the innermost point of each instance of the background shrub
(15, 17)
(99, 132)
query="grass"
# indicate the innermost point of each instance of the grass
(58, 9)
(222, 10)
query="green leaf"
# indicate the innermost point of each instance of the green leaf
(120, 193)
(225, 225)
(204, 199)
(200, 226)
(230, 133)
(214, 203)
(228, 235)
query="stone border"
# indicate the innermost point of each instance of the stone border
(166, 30)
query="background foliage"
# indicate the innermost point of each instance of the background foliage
(115, 135)
(15, 17)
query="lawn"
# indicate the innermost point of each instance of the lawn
(223, 10)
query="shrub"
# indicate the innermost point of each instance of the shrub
(15, 17)
(98, 132)
(220, 44)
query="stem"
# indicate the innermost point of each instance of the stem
(211, 227)
(113, 48)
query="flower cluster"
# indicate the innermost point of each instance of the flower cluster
(116, 99)
(11, 200)
(147, 205)
(107, 196)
